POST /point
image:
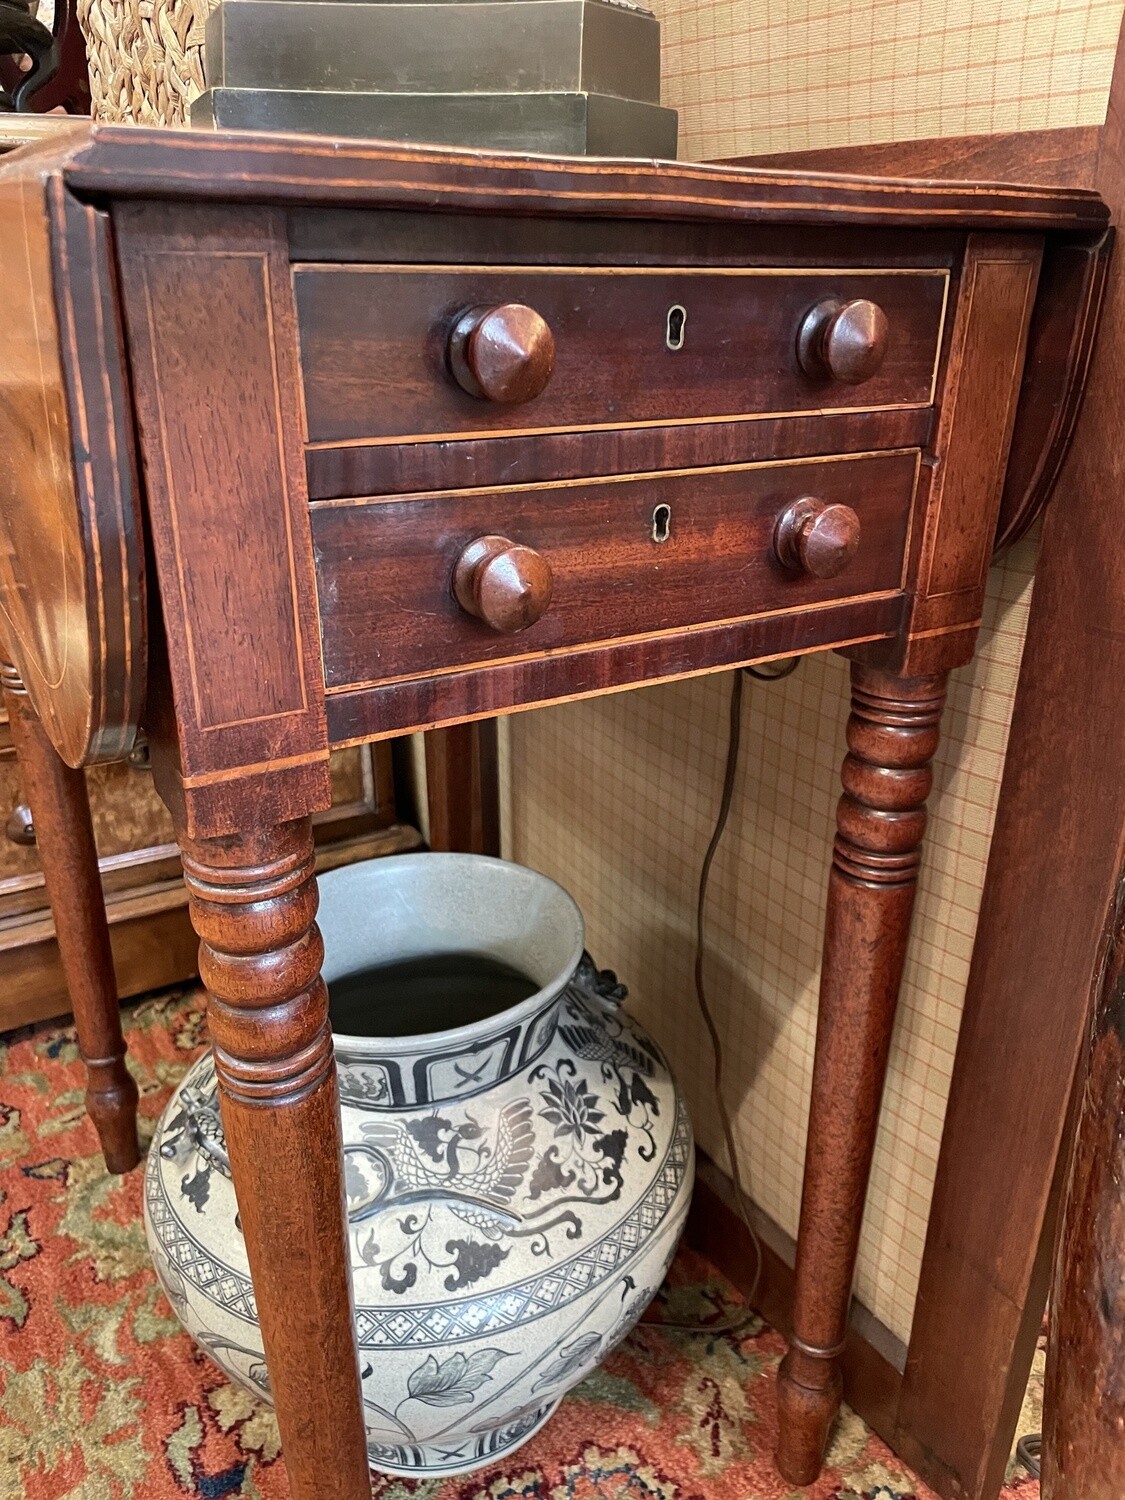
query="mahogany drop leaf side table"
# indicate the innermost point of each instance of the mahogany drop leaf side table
(304, 444)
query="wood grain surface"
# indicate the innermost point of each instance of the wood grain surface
(241, 167)
(892, 735)
(1053, 870)
(374, 346)
(1065, 157)
(659, 543)
(1084, 1395)
(976, 415)
(71, 555)
(385, 567)
(60, 808)
(212, 336)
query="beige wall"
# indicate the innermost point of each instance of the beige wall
(615, 797)
(779, 75)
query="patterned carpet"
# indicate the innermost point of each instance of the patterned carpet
(102, 1398)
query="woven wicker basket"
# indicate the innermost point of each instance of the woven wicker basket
(146, 58)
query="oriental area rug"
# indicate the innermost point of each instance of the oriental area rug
(102, 1397)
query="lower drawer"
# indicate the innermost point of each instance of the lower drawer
(614, 558)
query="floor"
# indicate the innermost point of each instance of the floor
(103, 1398)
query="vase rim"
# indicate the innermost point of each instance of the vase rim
(512, 1017)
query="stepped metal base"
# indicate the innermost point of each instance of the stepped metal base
(499, 46)
(565, 124)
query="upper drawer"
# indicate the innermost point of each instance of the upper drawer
(375, 346)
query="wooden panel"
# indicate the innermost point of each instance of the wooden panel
(133, 829)
(71, 567)
(204, 517)
(150, 934)
(211, 328)
(373, 346)
(153, 946)
(385, 566)
(412, 237)
(963, 479)
(997, 293)
(463, 788)
(1060, 346)
(40, 544)
(1063, 158)
(108, 486)
(479, 692)
(1083, 1394)
(397, 468)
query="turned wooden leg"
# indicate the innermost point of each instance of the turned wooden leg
(253, 904)
(892, 734)
(1084, 1398)
(64, 838)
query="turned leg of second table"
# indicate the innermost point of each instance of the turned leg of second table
(892, 735)
(64, 837)
(253, 901)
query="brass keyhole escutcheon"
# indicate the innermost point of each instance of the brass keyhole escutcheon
(661, 523)
(675, 326)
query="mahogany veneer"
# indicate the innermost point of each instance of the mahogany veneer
(565, 427)
(374, 346)
(384, 566)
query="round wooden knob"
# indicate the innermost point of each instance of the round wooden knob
(503, 353)
(845, 341)
(19, 827)
(505, 585)
(815, 538)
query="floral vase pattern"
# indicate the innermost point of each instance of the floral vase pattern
(516, 1187)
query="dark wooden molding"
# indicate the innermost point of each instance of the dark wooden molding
(1063, 157)
(242, 167)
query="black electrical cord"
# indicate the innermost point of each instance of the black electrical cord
(746, 1318)
(784, 669)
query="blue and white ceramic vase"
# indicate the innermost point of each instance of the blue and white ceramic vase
(516, 1186)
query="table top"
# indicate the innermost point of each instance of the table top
(225, 166)
(163, 283)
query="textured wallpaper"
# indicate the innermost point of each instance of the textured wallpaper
(779, 75)
(616, 796)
